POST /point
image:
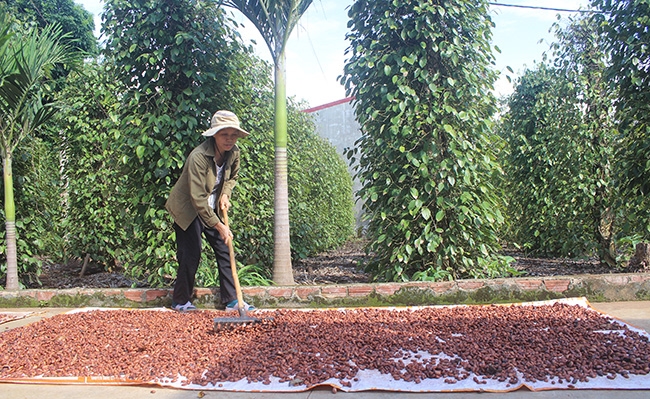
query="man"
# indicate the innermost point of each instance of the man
(197, 202)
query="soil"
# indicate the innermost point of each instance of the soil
(340, 266)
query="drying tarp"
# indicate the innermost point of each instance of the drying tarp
(365, 378)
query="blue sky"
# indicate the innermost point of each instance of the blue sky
(316, 49)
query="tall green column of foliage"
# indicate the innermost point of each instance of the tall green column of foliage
(580, 57)
(421, 73)
(538, 175)
(96, 180)
(627, 39)
(561, 142)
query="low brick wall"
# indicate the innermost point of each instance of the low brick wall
(596, 288)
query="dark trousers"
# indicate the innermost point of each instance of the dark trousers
(188, 254)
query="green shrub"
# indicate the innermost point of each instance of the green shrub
(420, 72)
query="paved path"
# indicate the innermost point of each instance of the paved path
(636, 314)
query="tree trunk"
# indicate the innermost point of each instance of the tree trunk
(641, 258)
(606, 246)
(10, 214)
(282, 271)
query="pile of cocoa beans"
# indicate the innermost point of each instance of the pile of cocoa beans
(557, 343)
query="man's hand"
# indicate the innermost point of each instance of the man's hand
(224, 203)
(225, 232)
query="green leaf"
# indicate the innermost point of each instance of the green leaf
(139, 151)
(449, 129)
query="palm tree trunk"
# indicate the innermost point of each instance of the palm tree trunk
(10, 214)
(282, 271)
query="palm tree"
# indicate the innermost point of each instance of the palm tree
(26, 58)
(275, 19)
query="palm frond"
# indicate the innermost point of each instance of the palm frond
(26, 61)
(5, 37)
(274, 19)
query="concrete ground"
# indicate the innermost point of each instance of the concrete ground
(637, 314)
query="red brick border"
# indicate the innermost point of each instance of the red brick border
(557, 285)
(625, 286)
(528, 284)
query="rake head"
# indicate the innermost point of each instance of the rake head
(244, 319)
(230, 322)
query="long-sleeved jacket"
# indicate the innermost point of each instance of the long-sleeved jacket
(189, 197)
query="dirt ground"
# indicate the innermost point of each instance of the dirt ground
(340, 266)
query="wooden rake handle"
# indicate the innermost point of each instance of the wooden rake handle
(233, 267)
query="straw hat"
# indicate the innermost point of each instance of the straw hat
(223, 119)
